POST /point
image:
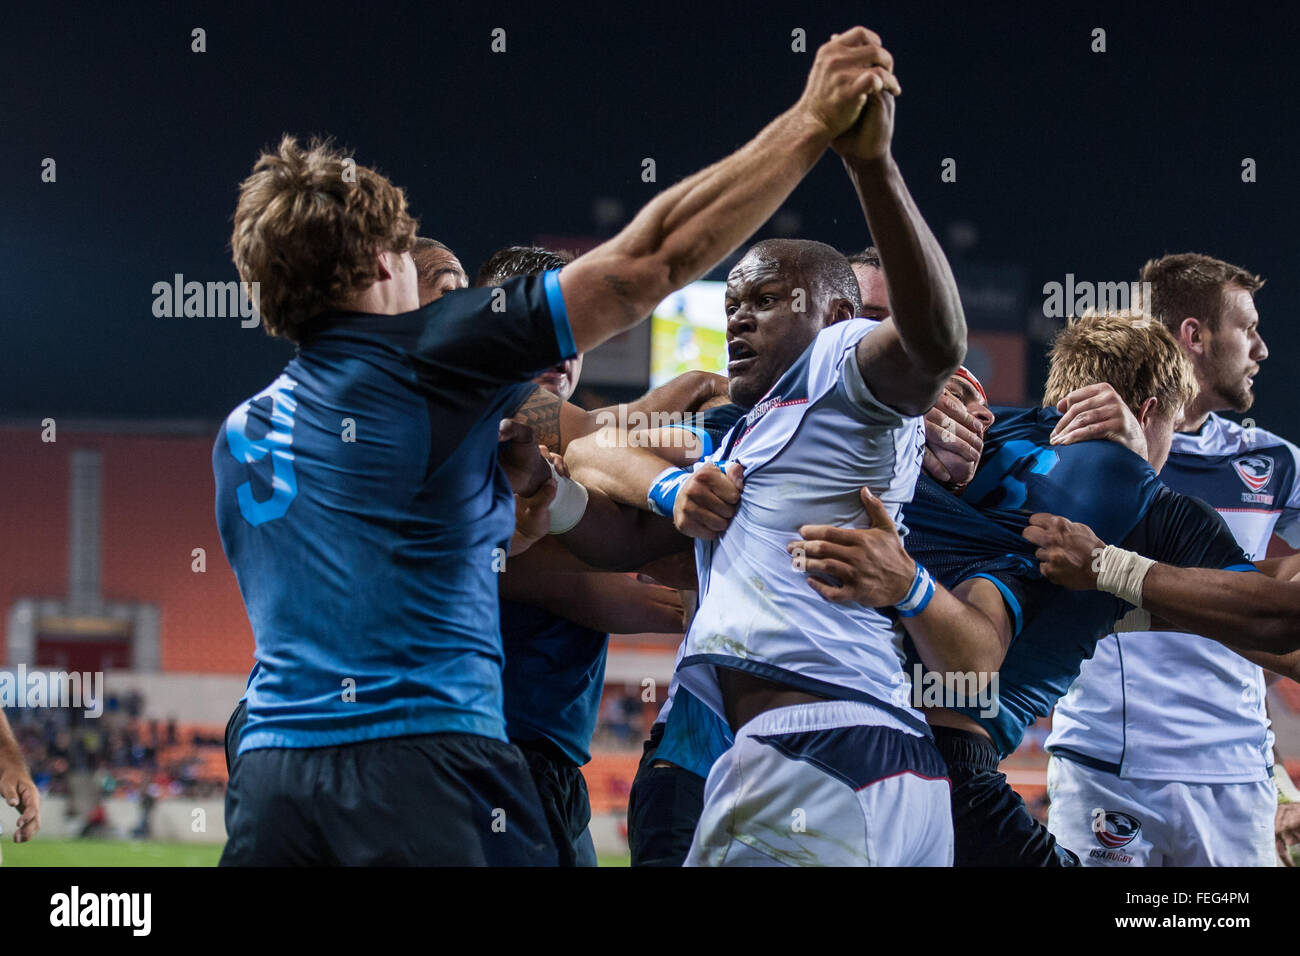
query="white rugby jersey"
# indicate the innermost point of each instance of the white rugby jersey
(807, 447)
(1157, 705)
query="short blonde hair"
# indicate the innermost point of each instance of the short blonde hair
(309, 227)
(1132, 352)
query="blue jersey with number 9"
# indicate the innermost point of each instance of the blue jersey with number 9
(362, 508)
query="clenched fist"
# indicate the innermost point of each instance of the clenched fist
(849, 67)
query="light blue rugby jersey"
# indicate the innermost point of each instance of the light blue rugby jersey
(367, 566)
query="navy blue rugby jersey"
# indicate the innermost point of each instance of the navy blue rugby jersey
(360, 503)
(1099, 483)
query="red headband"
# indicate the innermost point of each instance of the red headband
(969, 376)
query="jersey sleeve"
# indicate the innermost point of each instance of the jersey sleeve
(495, 335)
(854, 388)
(1288, 522)
(1024, 591)
(1186, 532)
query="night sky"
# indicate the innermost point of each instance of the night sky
(1068, 161)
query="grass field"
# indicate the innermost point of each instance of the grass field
(42, 852)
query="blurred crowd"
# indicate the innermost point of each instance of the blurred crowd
(126, 753)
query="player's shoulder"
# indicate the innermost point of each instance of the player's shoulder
(379, 341)
(1184, 530)
(443, 317)
(850, 330)
(832, 343)
(1263, 460)
(1222, 436)
(1166, 502)
(1035, 425)
(1022, 424)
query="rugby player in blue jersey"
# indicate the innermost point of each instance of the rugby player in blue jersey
(556, 618)
(366, 510)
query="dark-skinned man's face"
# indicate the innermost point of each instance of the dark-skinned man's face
(765, 332)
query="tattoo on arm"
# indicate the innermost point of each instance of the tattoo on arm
(541, 412)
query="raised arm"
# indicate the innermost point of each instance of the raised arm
(909, 358)
(691, 227)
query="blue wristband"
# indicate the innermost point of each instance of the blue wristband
(918, 596)
(663, 491)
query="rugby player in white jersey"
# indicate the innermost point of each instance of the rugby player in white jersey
(843, 776)
(1161, 751)
(824, 769)
(667, 795)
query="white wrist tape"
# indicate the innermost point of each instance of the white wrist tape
(1121, 573)
(570, 503)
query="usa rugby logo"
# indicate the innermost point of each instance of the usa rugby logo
(1254, 470)
(1114, 828)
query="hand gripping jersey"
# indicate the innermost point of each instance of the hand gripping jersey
(555, 669)
(816, 438)
(1167, 706)
(1099, 483)
(362, 508)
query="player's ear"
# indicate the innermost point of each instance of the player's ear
(841, 311)
(388, 262)
(1147, 410)
(1190, 335)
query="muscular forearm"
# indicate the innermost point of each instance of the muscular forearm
(610, 463)
(633, 443)
(958, 635)
(688, 229)
(614, 537)
(923, 297)
(616, 603)
(1248, 611)
(685, 393)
